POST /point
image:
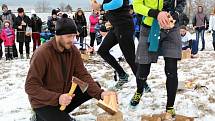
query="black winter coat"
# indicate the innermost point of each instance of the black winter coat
(36, 23)
(81, 24)
(20, 36)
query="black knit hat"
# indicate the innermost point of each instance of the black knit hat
(4, 6)
(20, 10)
(65, 26)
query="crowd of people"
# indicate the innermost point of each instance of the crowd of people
(160, 27)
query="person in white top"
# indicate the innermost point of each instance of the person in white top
(185, 38)
(212, 26)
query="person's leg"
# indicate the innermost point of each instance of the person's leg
(143, 71)
(197, 40)
(34, 41)
(108, 42)
(213, 34)
(203, 39)
(1, 52)
(81, 42)
(15, 53)
(92, 39)
(126, 43)
(27, 47)
(46, 113)
(171, 82)
(51, 113)
(21, 49)
(11, 52)
(7, 52)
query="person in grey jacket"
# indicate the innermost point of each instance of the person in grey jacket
(200, 24)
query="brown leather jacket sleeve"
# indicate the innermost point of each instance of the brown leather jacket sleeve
(81, 72)
(34, 84)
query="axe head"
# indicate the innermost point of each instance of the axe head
(83, 85)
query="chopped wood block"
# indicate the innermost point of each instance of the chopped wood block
(165, 117)
(107, 117)
(186, 54)
(106, 107)
(85, 57)
(150, 118)
(109, 104)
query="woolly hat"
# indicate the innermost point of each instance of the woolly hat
(65, 26)
(20, 10)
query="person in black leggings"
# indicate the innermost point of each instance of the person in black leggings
(122, 34)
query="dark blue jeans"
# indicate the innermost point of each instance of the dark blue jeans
(198, 34)
(213, 34)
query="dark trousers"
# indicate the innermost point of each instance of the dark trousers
(202, 34)
(213, 34)
(92, 39)
(143, 71)
(36, 40)
(81, 42)
(52, 113)
(27, 47)
(9, 52)
(15, 53)
(124, 37)
(1, 52)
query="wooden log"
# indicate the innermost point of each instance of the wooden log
(150, 118)
(186, 54)
(166, 116)
(109, 104)
(107, 117)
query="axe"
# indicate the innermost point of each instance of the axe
(75, 82)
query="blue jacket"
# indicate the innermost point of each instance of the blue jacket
(118, 12)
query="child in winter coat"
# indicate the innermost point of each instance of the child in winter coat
(97, 31)
(8, 37)
(185, 38)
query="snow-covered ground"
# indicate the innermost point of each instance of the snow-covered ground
(198, 103)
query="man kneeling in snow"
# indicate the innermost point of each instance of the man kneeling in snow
(51, 68)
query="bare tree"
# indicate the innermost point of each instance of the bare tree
(62, 6)
(42, 6)
(68, 8)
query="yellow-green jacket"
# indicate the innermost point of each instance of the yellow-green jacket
(151, 8)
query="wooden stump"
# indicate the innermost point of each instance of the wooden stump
(165, 117)
(186, 54)
(107, 117)
(109, 104)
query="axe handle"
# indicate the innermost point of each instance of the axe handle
(72, 90)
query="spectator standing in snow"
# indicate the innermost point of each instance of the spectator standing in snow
(52, 21)
(200, 24)
(212, 26)
(8, 15)
(81, 23)
(93, 19)
(36, 23)
(8, 37)
(48, 82)
(21, 23)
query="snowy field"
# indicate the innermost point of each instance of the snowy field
(199, 103)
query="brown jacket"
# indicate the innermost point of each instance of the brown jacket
(45, 81)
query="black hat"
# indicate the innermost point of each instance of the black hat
(54, 12)
(4, 6)
(20, 10)
(65, 26)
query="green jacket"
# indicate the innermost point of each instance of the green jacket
(143, 6)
